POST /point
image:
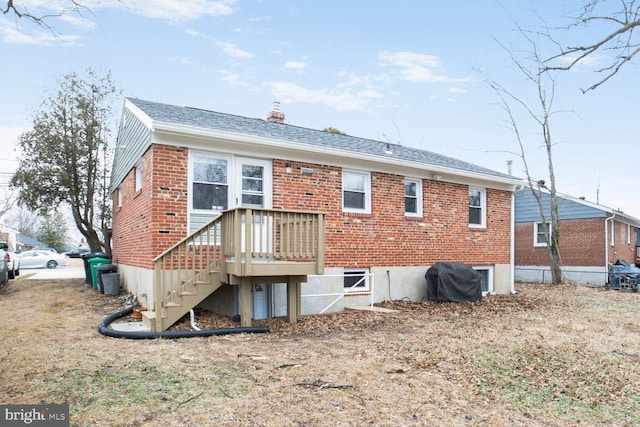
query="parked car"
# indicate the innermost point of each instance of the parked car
(13, 267)
(41, 259)
(77, 253)
(4, 264)
(46, 249)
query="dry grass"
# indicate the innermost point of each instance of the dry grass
(565, 355)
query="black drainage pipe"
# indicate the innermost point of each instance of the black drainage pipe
(105, 330)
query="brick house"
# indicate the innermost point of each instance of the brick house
(591, 237)
(377, 215)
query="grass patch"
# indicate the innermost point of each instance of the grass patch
(139, 387)
(563, 385)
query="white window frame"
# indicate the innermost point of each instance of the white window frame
(613, 233)
(536, 243)
(418, 196)
(367, 191)
(119, 197)
(365, 274)
(628, 234)
(138, 185)
(488, 268)
(482, 207)
(193, 157)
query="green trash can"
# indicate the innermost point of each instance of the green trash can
(94, 263)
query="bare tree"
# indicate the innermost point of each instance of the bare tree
(7, 201)
(24, 220)
(22, 12)
(617, 36)
(544, 83)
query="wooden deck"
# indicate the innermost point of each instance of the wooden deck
(284, 246)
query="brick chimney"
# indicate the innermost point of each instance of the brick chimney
(276, 116)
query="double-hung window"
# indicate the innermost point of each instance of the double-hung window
(356, 192)
(412, 197)
(541, 233)
(210, 184)
(477, 207)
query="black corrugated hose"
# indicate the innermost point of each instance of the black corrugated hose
(105, 330)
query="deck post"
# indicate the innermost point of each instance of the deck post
(245, 302)
(294, 297)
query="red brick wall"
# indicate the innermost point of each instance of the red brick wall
(581, 244)
(155, 217)
(621, 249)
(386, 236)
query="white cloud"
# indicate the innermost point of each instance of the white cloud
(260, 19)
(37, 36)
(172, 10)
(184, 60)
(587, 61)
(344, 100)
(232, 50)
(229, 48)
(297, 66)
(456, 90)
(233, 79)
(416, 67)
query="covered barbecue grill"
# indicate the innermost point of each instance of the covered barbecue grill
(453, 281)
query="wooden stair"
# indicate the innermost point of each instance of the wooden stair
(179, 302)
(236, 247)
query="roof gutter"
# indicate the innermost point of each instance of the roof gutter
(315, 150)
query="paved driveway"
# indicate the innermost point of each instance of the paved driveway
(73, 270)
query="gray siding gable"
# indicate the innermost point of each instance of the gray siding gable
(186, 116)
(134, 138)
(526, 208)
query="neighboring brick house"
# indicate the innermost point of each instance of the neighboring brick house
(390, 211)
(591, 237)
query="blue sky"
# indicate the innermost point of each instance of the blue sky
(409, 72)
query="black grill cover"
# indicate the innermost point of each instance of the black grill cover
(453, 281)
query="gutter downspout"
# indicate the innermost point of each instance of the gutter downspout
(512, 251)
(606, 246)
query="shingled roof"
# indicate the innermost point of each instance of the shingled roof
(205, 119)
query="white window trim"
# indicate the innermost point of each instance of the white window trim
(418, 198)
(367, 192)
(119, 197)
(535, 235)
(489, 268)
(628, 234)
(365, 272)
(613, 233)
(138, 185)
(230, 188)
(483, 207)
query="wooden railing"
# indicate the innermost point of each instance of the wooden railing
(241, 242)
(262, 237)
(180, 267)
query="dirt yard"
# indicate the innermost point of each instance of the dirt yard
(548, 356)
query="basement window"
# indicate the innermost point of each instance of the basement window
(486, 272)
(356, 279)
